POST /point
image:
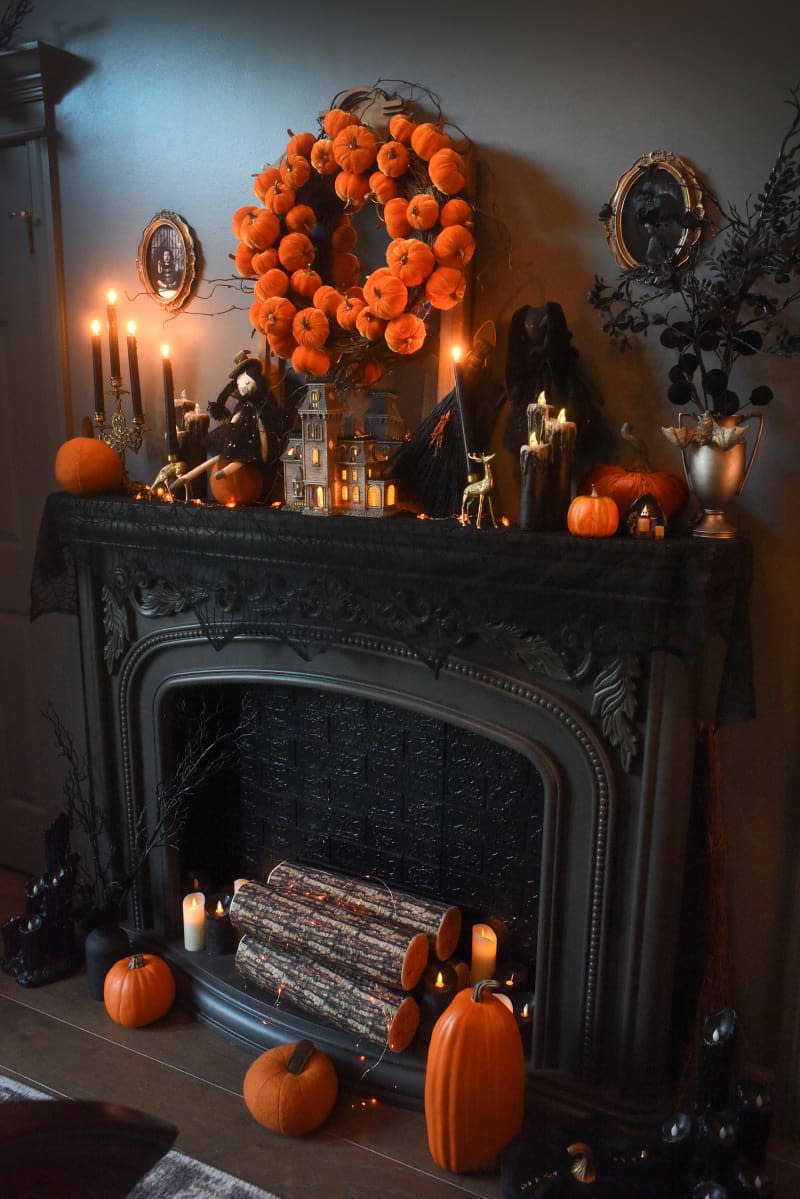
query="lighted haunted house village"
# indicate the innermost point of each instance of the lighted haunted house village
(449, 840)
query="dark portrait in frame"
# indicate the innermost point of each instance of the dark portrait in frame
(166, 260)
(654, 218)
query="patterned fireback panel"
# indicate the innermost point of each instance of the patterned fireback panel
(363, 787)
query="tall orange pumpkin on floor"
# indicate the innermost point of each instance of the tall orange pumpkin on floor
(475, 1081)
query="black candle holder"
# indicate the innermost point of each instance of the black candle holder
(717, 1144)
(754, 1108)
(717, 1044)
(709, 1189)
(220, 937)
(678, 1140)
(439, 986)
(753, 1183)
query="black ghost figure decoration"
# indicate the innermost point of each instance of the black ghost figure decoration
(541, 358)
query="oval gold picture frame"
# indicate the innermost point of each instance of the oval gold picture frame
(644, 216)
(166, 260)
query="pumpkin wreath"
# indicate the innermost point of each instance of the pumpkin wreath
(298, 243)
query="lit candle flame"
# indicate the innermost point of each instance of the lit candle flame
(562, 416)
(219, 909)
(456, 352)
(439, 981)
(533, 440)
(112, 297)
(542, 398)
(195, 902)
(525, 1012)
(131, 327)
(165, 351)
(95, 327)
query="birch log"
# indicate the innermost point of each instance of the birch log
(358, 946)
(378, 1014)
(364, 897)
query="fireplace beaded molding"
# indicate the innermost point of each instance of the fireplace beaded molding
(585, 657)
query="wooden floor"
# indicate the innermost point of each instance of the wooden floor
(58, 1039)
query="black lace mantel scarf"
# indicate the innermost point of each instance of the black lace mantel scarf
(571, 608)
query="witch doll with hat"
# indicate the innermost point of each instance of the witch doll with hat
(251, 432)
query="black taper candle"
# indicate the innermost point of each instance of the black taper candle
(133, 372)
(113, 336)
(169, 405)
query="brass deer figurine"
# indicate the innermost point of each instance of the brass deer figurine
(480, 490)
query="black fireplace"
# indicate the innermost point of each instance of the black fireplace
(497, 719)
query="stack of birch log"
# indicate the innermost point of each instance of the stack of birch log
(348, 950)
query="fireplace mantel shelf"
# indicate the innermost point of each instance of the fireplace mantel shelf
(571, 603)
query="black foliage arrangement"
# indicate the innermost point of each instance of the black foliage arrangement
(104, 877)
(731, 299)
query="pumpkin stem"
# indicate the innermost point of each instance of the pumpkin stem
(300, 1056)
(485, 984)
(136, 961)
(642, 453)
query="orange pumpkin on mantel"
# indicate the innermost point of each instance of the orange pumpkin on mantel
(625, 485)
(592, 515)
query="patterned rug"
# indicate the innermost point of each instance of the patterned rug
(175, 1176)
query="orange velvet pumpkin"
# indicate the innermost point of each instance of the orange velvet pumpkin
(354, 148)
(381, 187)
(393, 159)
(138, 990)
(624, 486)
(295, 170)
(344, 236)
(401, 127)
(240, 214)
(274, 282)
(86, 466)
(243, 261)
(592, 515)
(277, 315)
(445, 287)
(242, 486)
(264, 181)
(353, 188)
(395, 215)
(474, 1082)
(322, 159)
(454, 246)
(281, 345)
(280, 197)
(336, 119)
(310, 328)
(427, 138)
(456, 212)
(308, 361)
(448, 171)
(405, 333)
(300, 143)
(260, 229)
(370, 325)
(300, 219)
(291, 1089)
(385, 293)
(348, 310)
(254, 313)
(328, 299)
(265, 260)
(422, 211)
(296, 250)
(410, 259)
(345, 269)
(305, 281)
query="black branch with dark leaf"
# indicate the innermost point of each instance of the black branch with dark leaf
(731, 300)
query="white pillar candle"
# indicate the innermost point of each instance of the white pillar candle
(194, 920)
(484, 952)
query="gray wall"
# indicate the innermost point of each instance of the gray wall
(185, 102)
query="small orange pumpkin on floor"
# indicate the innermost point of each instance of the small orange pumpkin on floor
(291, 1089)
(139, 990)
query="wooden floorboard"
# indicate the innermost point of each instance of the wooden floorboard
(58, 1039)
